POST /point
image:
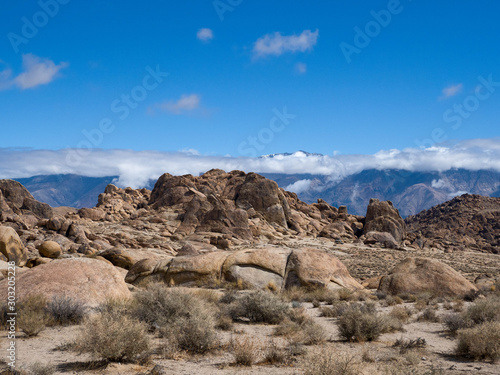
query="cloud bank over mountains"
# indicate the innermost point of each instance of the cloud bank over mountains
(136, 168)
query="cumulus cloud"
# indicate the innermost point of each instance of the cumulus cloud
(276, 44)
(299, 186)
(452, 90)
(37, 71)
(205, 35)
(186, 103)
(136, 168)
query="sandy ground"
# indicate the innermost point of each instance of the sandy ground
(48, 347)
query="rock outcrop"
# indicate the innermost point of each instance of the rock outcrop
(383, 217)
(16, 199)
(419, 275)
(253, 268)
(467, 221)
(88, 280)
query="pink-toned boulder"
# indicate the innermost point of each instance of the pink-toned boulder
(418, 275)
(317, 268)
(88, 280)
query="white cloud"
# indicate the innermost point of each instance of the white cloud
(301, 68)
(299, 186)
(37, 71)
(186, 103)
(457, 193)
(452, 90)
(277, 44)
(438, 184)
(135, 168)
(205, 35)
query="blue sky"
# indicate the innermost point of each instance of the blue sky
(251, 78)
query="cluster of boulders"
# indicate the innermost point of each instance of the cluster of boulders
(201, 230)
(465, 222)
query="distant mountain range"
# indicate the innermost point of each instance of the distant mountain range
(411, 192)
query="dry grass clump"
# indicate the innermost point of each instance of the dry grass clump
(113, 337)
(32, 316)
(330, 362)
(299, 328)
(429, 315)
(39, 368)
(260, 307)
(480, 342)
(244, 351)
(409, 344)
(302, 294)
(274, 355)
(401, 313)
(361, 323)
(337, 309)
(66, 310)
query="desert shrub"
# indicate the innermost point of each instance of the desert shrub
(261, 307)
(359, 324)
(228, 297)
(303, 294)
(484, 310)
(244, 351)
(273, 354)
(66, 310)
(304, 331)
(195, 334)
(345, 294)
(401, 313)
(207, 295)
(316, 303)
(31, 315)
(4, 310)
(429, 315)
(329, 362)
(116, 305)
(39, 368)
(409, 344)
(178, 313)
(480, 342)
(454, 322)
(113, 337)
(224, 322)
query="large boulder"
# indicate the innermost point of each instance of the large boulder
(152, 269)
(88, 280)
(317, 268)
(50, 249)
(384, 217)
(20, 200)
(417, 275)
(204, 269)
(12, 247)
(257, 268)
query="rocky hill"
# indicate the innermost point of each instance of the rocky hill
(467, 221)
